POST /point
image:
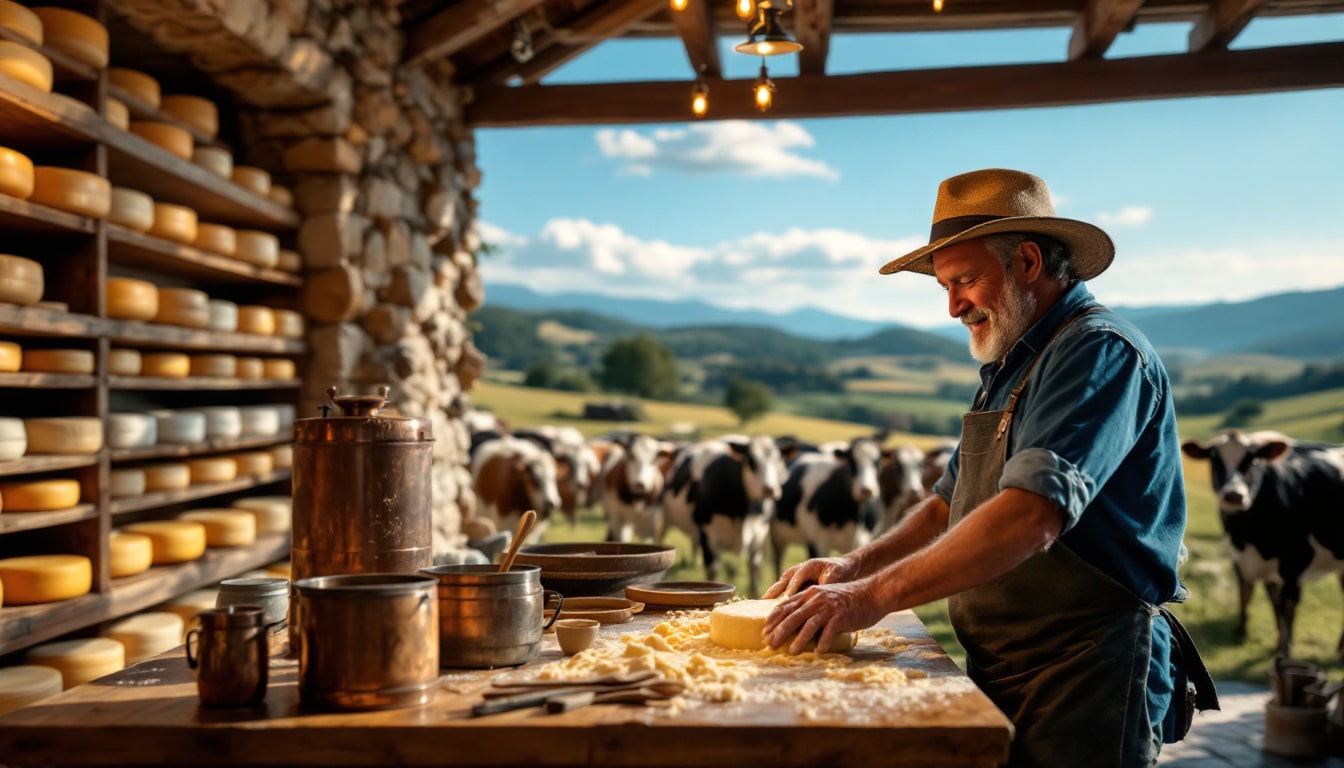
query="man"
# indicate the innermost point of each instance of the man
(1056, 528)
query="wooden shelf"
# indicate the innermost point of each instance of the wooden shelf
(33, 119)
(159, 335)
(195, 383)
(25, 465)
(195, 449)
(22, 626)
(27, 521)
(22, 216)
(126, 246)
(48, 380)
(32, 321)
(141, 110)
(194, 492)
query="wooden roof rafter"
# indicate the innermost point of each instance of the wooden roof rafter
(1098, 25)
(460, 25)
(697, 30)
(1222, 22)
(812, 28)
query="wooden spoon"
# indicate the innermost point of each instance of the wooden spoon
(525, 524)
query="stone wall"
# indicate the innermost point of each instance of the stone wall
(382, 168)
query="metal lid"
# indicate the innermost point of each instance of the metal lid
(364, 585)
(356, 419)
(259, 587)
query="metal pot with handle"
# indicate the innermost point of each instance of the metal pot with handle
(489, 618)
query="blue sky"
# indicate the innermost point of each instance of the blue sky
(1209, 199)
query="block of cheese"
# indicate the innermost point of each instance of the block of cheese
(187, 307)
(21, 21)
(118, 114)
(199, 113)
(174, 222)
(11, 356)
(77, 361)
(67, 189)
(80, 661)
(132, 209)
(288, 323)
(273, 513)
(13, 438)
(223, 316)
(16, 172)
(147, 634)
(173, 365)
(131, 299)
(252, 179)
(45, 578)
(256, 320)
(221, 421)
(260, 420)
(216, 238)
(282, 456)
(74, 33)
(212, 469)
(21, 280)
(277, 368)
(168, 476)
(138, 84)
(215, 160)
(254, 463)
(174, 541)
(25, 65)
(181, 426)
(128, 553)
(126, 482)
(741, 625)
(281, 196)
(24, 684)
(225, 527)
(177, 141)
(124, 362)
(251, 368)
(214, 365)
(39, 495)
(131, 430)
(64, 434)
(258, 248)
(289, 261)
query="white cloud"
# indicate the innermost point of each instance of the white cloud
(1130, 216)
(739, 147)
(498, 236)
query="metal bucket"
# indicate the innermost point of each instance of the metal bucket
(488, 618)
(367, 641)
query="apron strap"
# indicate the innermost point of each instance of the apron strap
(1031, 367)
(1206, 696)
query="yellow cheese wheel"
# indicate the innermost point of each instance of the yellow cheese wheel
(277, 368)
(214, 365)
(45, 578)
(254, 463)
(74, 33)
(225, 527)
(131, 299)
(21, 21)
(223, 316)
(173, 365)
(741, 625)
(252, 179)
(21, 280)
(183, 306)
(24, 684)
(197, 112)
(131, 430)
(256, 320)
(39, 495)
(281, 196)
(251, 368)
(118, 114)
(288, 323)
(177, 141)
(11, 356)
(282, 456)
(174, 541)
(212, 469)
(78, 361)
(273, 513)
(80, 661)
(16, 172)
(126, 482)
(67, 189)
(64, 434)
(174, 222)
(136, 83)
(124, 362)
(289, 261)
(169, 476)
(25, 65)
(216, 238)
(147, 634)
(132, 209)
(259, 248)
(215, 160)
(128, 553)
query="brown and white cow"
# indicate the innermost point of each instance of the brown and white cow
(630, 485)
(577, 465)
(900, 477)
(511, 476)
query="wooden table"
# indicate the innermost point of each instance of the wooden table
(149, 715)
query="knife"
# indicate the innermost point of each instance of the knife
(518, 701)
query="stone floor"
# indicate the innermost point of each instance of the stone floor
(1232, 738)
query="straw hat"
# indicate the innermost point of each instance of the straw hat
(998, 201)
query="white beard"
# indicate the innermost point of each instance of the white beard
(1006, 324)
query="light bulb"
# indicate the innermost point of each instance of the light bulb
(937, 6)
(746, 9)
(763, 97)
(679, 5)
(699, 104)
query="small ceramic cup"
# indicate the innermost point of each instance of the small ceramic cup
(575, 634)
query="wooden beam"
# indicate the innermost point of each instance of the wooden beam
(462, 24)
(1222, 22)
(812, 28)
(1018, 86)
(695, 26)
(563, 44)
(1099, 23)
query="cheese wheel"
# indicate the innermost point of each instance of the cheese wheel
(260, 420)
(25, 65)
(126, 482)
(288, 323)
(252, 179)
(215, 160)
(256, 320)
(128, 553)
(216, 238)
(138, 84)
(251, 368)
(277, 368)
(186, 307)
(118, 114)
(221, 421)
(189, 605)
(174, 222)
(174, 541)
(16, 173)
(225, 527)
(21, 280)
(132, 209)
(80, 661)
(741, 625)
(199, 113)
(281, 196)
(214, 365)
(148, 634)
(131, 430)
(223, 316)
(11, 357)
(259, 248)
(124, 362)
(24, 684)
(39, 495)
(212, 469)
(177, 141)
(173, 365)
(282, 456)
(169, 476)
(273, 513)
(45, 578)
(77, 361)
(180, 427)
(13, 439)
(131, 299)
(254, 463)
(67, 189)
(74, 33)
(289, 261)
(285, 413)
(64, 434)
(21, 21)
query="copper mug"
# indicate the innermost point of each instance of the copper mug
(230, 656)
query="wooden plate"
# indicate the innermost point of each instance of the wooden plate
(607, 610)
(681, 594)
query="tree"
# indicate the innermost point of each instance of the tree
(1242, 414)
(749, 400)
(641, 365)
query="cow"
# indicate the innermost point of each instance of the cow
(629, 487)
(577, 465)
(900, 483)
(511, 476)
(721, 494)
(828, 501)
(1280, 504)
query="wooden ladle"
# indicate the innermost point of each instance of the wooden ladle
(525, 524)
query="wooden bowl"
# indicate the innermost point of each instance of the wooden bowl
(601, 569)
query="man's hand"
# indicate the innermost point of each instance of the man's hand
(823, 612)
(820, 570)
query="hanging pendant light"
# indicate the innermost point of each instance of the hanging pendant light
(746, 9)
(766, 36)
(700, 96)
(764, 90)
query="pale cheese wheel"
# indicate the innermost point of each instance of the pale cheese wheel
(285, 414)
(148, 634)
(221, 421)
(180, 427)
(186, 307)
(252, 179)
(260, 420)
(174, 541)
(215, 160)
(172, 365)
(741, 625)
(128, 553)
(277, 368)
(74, 33)
(189, 605)
(80, 661)
(214, 365)
(138, 84)
(223, 316)
(131, 299)
(39, 495)
(169, 476)
(177, 141)
(25, 65)
(212, 469)
(282, 456)
(24, 684)
(288, 323)
(45, 578)
(16, 173)
(216, 238)
(64, 434)
(174, 222)
(21, 280)
(66, 189)
(76, 361)
(256, 320)
(197, 112)
(125, 362)
(254, 463)
(118, 114)
(281, 196)
(11, 356)
(273, 513)
(131, 430)
(126, 482)
(225, 527)
(251, 368)
(132, 209)
(13, 438)
(289, 261)
(259, 248)
(21, 21)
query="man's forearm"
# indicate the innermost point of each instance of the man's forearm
(924, 523)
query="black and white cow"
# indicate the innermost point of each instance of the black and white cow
(828, 503)
(900, 482)
(630, 486)
(1282, 505)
